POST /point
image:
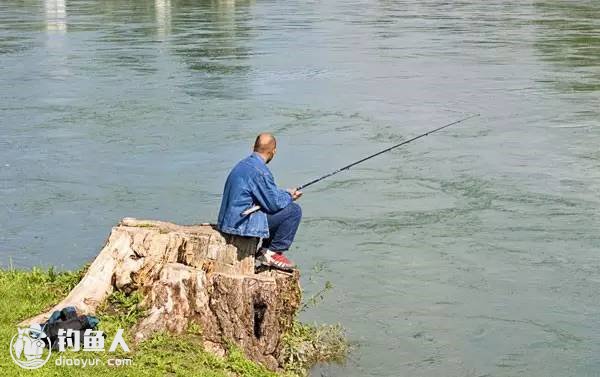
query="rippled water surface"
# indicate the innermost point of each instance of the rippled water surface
(473, 252)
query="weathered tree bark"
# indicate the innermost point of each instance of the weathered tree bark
(192, 273)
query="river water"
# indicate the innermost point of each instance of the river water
(472, 252)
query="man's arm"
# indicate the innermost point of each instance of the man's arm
(270, 197)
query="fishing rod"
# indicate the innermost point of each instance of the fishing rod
(347, 167)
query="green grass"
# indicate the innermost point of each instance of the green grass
(306, 345)
(27, 293)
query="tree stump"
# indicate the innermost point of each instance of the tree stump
(192, 274)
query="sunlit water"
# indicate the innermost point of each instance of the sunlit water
(473, 252)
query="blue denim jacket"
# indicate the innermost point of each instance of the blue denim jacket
(250, 182)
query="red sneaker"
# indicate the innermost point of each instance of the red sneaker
(275, 259)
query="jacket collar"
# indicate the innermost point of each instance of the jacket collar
(258, 157)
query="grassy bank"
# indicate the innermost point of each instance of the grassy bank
(27, 293)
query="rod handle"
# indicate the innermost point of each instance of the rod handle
(250, 210)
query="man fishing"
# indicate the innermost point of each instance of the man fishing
(254, 206)
(251, 183)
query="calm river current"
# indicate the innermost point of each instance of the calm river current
(472, 252)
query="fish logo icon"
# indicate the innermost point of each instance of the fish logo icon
(30, 348)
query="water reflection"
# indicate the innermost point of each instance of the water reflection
(214, 47)
(163, 17)
(56, 28)
(56, 15)
(568, 38)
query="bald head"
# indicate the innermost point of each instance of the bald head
(265, 145)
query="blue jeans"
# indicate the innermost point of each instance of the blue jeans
(282, 227)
